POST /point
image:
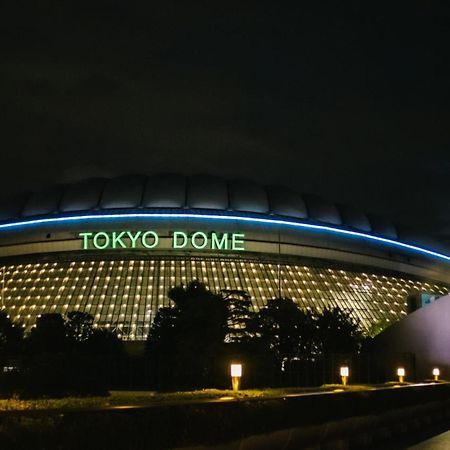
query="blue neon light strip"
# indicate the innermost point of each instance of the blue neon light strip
(258, 220)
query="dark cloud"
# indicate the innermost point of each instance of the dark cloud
(347, 101)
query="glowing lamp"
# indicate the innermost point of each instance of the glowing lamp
(236, 374)
(436, 373)
(401, 374)
(236, 370)
(344, 371)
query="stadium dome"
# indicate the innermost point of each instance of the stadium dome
(189, 193)
(113, 248)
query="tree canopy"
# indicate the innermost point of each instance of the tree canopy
(11, 337)
(287, 330)
(186, 340)
(337, 331)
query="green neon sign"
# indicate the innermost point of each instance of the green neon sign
(149, 239)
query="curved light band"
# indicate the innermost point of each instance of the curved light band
(256, 220)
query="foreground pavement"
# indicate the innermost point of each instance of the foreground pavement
(388, 417)
(439, 442)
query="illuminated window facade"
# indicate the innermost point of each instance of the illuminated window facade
(124, 295)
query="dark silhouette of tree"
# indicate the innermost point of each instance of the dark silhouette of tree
(79, 326)
(242, 325)
(85, 338)
(104, 342)
(45, 370)
(244, 341)
(163, 330)
(68, 356)
(49, 335)
(54, 334)
(11, 338)
(287, 331)
(185, 342)
(161, 345)
(11, 348)
(337, 332)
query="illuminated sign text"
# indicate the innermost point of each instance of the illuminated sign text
(149, 239)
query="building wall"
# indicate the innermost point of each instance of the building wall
(259, 239)
(125, 294)
(45, 268)
(426, 333)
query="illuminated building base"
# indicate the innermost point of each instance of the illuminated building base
(124, 295)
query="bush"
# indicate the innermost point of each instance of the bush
(63, 374)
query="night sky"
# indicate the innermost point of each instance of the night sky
(348, 101)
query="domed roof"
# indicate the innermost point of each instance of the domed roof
(198, 192)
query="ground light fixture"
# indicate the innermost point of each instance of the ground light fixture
(436, 373)
(401, 374)
(344, 371)
(236, 374)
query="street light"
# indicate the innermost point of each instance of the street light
(436, 373)
(344, 374)
(400, 374)
(236, 374)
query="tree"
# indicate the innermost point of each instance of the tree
(55, 334)
(287, 331)
(244, 341)
(163, 330)
(48, 335)
(79, 326)
(85, 338)
(337, 331)
(11, 337)
(11, 347)
(242, 327)
(68, 356)
(185, 341)
(105, 342)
